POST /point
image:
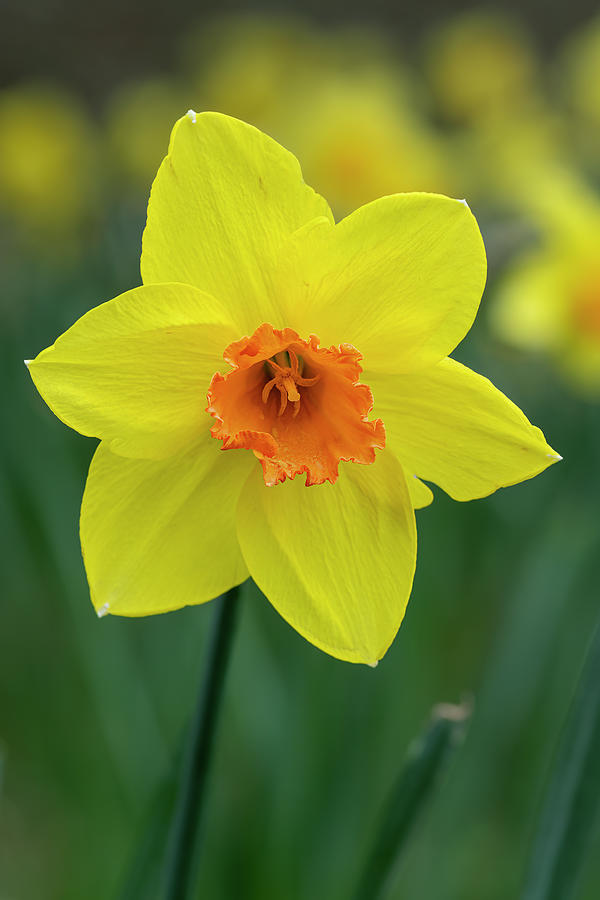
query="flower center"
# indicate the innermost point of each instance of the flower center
(298, 406)
(286, 380)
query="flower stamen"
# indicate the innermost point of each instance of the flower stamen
(286, 380)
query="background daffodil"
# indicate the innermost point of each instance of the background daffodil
(253, 296)
(49, 173)
(549, 301)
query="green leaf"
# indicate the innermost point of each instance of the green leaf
(427, 756)
(570, 807)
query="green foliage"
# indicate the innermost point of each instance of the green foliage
(572, 802)
(425, 760)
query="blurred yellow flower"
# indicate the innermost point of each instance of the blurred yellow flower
(243, 267)
(49, 170)
(480, 65)
(359, 140)
(505, 162)
(549, 301)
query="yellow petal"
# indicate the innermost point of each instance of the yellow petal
(224, 201)
(400, 279)
(420, 494)
(158, 535)
(336, 561)
(135, 370)
(453, 427)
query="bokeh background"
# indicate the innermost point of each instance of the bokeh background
(501, 106)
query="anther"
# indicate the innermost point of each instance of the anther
(286, 380)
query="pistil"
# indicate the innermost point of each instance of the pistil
(286, 379)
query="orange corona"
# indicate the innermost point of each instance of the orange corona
(316, 417)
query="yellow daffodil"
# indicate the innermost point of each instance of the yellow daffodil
(549, 301)
(358, 138)
(480, 65)
(49, 170)
(266, 346)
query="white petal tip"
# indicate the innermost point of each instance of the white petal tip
(27, 362)
(103, 611)
(554, 456)
(374, 665)
(191, 115)
(464, 202)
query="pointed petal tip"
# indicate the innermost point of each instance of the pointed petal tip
(191, 114)
(555, 456)
(373, 665)
(103, 610)
(27, 362)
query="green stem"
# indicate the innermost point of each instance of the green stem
(192, 794)
(426, 759)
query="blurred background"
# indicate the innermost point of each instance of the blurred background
(501, 106)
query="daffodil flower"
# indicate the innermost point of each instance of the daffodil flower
(270, 398)
(549, 300)
(49, 171)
